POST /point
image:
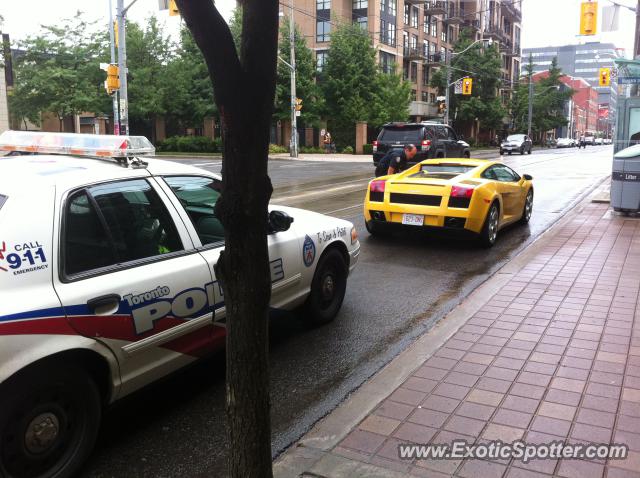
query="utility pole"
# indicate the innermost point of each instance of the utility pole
(294, 126)
(121, 13)
(530, 103)
(446, 94)
(116, 113)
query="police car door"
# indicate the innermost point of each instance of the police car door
(129, 276)
(196, 197)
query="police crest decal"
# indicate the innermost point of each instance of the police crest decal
(308, 251)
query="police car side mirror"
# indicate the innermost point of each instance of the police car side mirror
(279, 221)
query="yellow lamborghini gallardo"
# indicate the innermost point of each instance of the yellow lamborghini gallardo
(471, 195)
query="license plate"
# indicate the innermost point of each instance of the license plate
(412, 219)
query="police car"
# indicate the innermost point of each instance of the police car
(107, 283)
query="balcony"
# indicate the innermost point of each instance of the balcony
(435, 59)
(413, 54)
(435, 7)
(424, 109)
(496, 33)
(474, 25)
(512, 12)
(455, 17)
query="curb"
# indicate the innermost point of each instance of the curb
(310, 456)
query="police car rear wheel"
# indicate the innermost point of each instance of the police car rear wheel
(327, 288)
(49, 420)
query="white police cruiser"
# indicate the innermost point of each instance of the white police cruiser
(107, 283)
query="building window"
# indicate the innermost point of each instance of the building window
(426, 48)
(407, 9)
(425, 96)
(405, 71)
(387, 33)
(323, 30)
(451, 35)
(415, 13)
(361, 22)
(321, 60)
(414, 43)
(425, 76)
(434, 27)
(443, 34)
(413, 95)
(443, 54)
(432, 97)
(389, 7)
(414, 72)
(323, 4)
(359, 4)
(393, 7)
(387, 62)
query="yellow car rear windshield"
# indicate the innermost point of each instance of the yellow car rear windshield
(441, 170)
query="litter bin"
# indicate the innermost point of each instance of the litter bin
(625, 180)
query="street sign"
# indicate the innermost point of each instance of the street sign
(457, 89)
(629, 80)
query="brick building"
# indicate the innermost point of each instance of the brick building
(413, 36)
(582, 110)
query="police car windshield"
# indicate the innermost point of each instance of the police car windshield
(3, 199)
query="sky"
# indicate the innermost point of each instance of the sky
(545, 22)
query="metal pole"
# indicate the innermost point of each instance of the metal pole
(116, 113)
(294, 126)
(446, 93)
(637, 48)
(122, 67)
(530, 104)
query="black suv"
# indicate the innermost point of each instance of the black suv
(433, 140)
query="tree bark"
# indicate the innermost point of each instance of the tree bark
(244, 91)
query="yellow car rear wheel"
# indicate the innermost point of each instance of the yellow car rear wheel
(489, 232)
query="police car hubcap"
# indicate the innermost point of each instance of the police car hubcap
(42, 432)
(328, 286)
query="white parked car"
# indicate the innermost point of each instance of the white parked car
(598, 141)
(107, 283)
(565, 143)
(590, 140)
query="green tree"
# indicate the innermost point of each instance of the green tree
(189, 99)
(59, 72)
(483, 64)
(235, 26)
(348, 82)
(306, 86)
(392, 96)
(549, 98)
(149, 52)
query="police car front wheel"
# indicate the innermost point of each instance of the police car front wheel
(327, 288)
(49, 420)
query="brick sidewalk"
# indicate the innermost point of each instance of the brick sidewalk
(554, 355)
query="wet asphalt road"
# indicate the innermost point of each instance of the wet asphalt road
(401, 287)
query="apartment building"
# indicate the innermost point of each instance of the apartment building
(414, 36)
(583, 61)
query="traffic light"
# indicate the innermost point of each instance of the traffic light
(298, 104)
(605, 77)
(588, 18)
(173, 8)
(113, 79)
(467, 86)
(442, 107)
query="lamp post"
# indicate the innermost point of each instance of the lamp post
(121, 13)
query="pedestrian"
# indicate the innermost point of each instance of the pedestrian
(582, 143)
(326, 140)
(396, 161)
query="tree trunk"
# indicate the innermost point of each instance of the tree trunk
(244, 91)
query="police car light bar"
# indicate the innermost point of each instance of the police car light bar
(95, 145)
